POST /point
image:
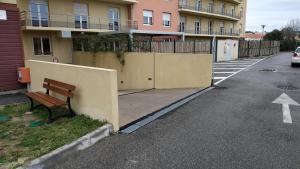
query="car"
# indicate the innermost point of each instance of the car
(296, 57)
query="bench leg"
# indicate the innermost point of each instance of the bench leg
(72, 114)
(31, 104)
(50, 120)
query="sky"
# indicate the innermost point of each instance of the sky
(275, 14)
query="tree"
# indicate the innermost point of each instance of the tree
(274, 35)
(294, 24)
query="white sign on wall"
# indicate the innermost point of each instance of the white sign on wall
(3, 15)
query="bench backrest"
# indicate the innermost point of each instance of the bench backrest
(59, 87)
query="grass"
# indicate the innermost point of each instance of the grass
(20, 143)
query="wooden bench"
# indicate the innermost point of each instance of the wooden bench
(48, 101)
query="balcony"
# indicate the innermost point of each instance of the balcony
(206, 32)
(211, 11)
(63, 22)
(120, 1)
(234, 1)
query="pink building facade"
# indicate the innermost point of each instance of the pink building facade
(161, 23)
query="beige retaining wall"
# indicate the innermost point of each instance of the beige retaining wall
(96, 88)
(153, 70)
(182, 70)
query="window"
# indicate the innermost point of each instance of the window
(80, 45)
(3, 15)
(223, 8)
(81, 15)
(222, 29)
(231, 28)
(183, 3)
(242, 12)
(39, 13)
(197, 26)
(42, 46)
(241, 28)
(114, 19)
(182, 24)
(211, 6)
(148, 17)
(166, 19)
(198, 5)
(210, 27)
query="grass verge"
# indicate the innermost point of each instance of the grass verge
(19, 142)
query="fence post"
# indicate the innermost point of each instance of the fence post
(270, 48)
(248, 48)
(150, 46)
(174, 46)
(259, 48)
(194, 46)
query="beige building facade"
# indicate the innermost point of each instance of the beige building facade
(48, 26)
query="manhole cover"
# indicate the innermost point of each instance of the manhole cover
(287, 87)
(268, 70)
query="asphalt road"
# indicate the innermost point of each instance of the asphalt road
(233, 126)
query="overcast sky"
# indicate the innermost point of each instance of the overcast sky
(273, 13)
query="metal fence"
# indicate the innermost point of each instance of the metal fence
(258, 48)
(173, 47)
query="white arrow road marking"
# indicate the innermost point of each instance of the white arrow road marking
(286, 101)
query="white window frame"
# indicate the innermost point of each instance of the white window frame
(81, 10)
(115, 19)
(148, 14)
(166, 19)
(42, 49)
(39, 3)
(182, 23)
(222, 27)
(3, 15)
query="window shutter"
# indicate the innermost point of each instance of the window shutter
(80, 9)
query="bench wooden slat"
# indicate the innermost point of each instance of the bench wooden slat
(51, 99)
(34, 96)
(58, 90)
(60, 84)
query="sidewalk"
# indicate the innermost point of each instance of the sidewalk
(12, 99)
(137, 105)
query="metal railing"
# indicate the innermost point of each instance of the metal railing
(210, 9)
(196, 46)
(36, 19)
(206, 31)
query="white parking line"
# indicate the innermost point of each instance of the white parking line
(233, 73)
(217, 68)
(224, 72)
(228, 63)
(219, 78)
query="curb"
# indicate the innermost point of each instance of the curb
(77, 145)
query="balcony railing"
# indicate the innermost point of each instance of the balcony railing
(211, 10)
(212, 32)
(35, 19)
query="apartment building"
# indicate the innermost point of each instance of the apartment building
(190, 19)
(48, 26)
(209, 18)
(156, 19)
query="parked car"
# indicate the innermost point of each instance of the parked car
(296, 57)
